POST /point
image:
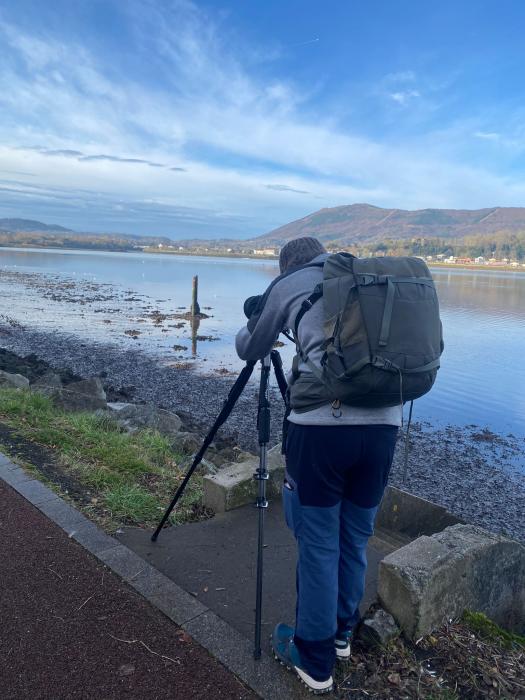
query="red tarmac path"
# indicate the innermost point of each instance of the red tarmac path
(68, 625)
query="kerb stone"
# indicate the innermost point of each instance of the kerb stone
(437, 578)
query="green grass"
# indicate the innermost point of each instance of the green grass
(130, 477)
(486, 629)
(131, 502)
(443, 694)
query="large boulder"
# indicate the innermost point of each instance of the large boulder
(86, 395)
(435, 579)
(47, 384)
(13, 381)
(134, 416)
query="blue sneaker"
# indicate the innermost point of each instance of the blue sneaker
(343, 647)
(287, 654)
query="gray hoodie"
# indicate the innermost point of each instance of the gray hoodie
(279, 313)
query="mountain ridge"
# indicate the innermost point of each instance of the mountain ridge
(367, 223)
(30, 226)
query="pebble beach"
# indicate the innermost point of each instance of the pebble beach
(469, 470)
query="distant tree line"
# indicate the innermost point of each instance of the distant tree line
(110, 242)
(499, 245)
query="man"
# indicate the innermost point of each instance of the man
(337, 463)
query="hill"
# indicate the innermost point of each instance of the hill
(29, 226)
(29, 233)
(364, 223)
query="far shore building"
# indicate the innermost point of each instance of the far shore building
(265, 251)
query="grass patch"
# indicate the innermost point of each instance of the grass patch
(131, 502)
(128, 478)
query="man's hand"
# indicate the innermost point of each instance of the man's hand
(250, 305)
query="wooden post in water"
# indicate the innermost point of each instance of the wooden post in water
(195, 323)
(195, 308)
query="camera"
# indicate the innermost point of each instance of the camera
(251, 304)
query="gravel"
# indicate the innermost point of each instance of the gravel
(473, 472)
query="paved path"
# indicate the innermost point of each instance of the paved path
(215, 560)
(70, 628)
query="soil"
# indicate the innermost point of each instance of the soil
(469, 470)
(44, 460)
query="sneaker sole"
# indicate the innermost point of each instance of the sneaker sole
(294, 670)
(343, 655)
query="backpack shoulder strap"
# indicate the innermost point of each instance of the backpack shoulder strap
(307, 305)
(252, 321)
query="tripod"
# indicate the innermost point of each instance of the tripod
(261, 474)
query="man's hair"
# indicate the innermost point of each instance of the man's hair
(299, 252)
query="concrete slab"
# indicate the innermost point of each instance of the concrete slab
(215, 560)
(34, 491)
(178, 605)
(123, 562)
(93, 538)
(15, 476)
(6, 462)
(64, 515)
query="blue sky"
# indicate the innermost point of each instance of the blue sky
(215, 119)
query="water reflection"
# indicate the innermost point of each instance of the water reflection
(492, 294)
(482, 379)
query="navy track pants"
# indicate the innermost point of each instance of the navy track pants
(336, 477)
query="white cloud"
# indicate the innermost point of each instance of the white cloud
(406, 76)
(285, 188)
(402, 97)
(125, 140)
(487, 135)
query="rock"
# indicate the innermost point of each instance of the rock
(189, 443)
(378, 629)
(86, 395)
(435, 579)
(133, 416)
(234, 485)
(14, 381)
(207, 467)
(47, 384)
(219, 457)
(118, 405)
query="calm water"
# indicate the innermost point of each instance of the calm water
(481, 381)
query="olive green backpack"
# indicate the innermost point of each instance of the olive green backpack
(383, 334)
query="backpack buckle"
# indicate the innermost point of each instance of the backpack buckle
(336, 409)
(366, 279)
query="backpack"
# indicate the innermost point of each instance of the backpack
(383, 334)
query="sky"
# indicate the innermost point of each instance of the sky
(230, 118)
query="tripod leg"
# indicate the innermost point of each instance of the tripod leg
(279, 374)
(227, 408)
(261, 475)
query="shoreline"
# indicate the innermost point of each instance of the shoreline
(247, 256)
(461, 468)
